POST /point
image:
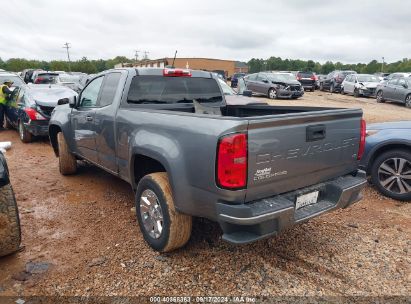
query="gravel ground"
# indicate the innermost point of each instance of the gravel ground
(81, 238)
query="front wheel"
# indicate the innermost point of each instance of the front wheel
(332, 88)
(342, 91)
(10, 233)
(67, 161)
(25, 135)
(380, 97)
(408, 101)
(391, 174)
(163, 227)
(272, 94)
(321, 87)
(356, 93)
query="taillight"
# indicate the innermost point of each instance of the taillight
(232, 161)
(313, 77)
(39, 80)
(361, 147)
(33, 114)
(176, 73)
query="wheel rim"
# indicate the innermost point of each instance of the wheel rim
(151, 213)
(21, 130)
(394, 175)
(273, 94)
(408, 100)
(379, 95)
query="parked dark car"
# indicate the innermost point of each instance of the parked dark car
(10, 233)
(255, 169)
(396, 89)
(387, 158)
(274, 85)
(396, 76)
(307, 80)
(30, 110)
(334, 80)
(234, 79)
(360, 85)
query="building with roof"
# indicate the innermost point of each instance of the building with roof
(208, 64)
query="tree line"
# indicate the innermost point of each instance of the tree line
(83, 65)
(278, 64)
(255, 65)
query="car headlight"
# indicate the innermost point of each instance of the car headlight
(371, 132)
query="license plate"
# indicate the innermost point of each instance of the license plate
(306, 199)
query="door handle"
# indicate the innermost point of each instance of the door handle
(314, 133)
(89, 118)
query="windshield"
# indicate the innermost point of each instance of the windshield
(226, 89)
(17, 82)
(281, 77)
(160, 89)
(367, 78)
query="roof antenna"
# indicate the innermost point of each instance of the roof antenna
(174, 59)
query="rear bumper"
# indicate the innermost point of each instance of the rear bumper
(260, 219)
(38, 127)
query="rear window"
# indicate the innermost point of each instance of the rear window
(160, 89)
(305, 74)
(46, 79)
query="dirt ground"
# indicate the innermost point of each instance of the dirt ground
(81, 238)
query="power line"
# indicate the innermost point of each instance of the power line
(67, 47)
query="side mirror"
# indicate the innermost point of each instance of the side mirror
(265, 80)
(404, 85)
(62, 101)
(72, 101)
(248, 93)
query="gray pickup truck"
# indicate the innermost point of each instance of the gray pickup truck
(255, 169)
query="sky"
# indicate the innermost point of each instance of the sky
(348, 31)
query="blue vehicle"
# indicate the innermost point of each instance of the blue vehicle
(30, 109)
(387, 158)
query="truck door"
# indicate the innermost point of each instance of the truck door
(105, 121)
(82, 120)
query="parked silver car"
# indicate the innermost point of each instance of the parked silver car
(360, 85)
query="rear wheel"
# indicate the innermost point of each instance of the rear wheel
(391, 174)
(408, 101)
(24, 134)
(272, 94)
(67, 161)
(321, 86)
(342, 91)
(162, 226)
(10, 233)
(7, 124)
(380, 97)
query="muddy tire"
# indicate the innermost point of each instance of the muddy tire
(321, 86)
(24, 134)
(67, 161)
(380, 96)
(332, 88)
(163, 227)
(10, 233)
(408, 101)
(7, 124)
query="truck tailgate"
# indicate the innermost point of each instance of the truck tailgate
(291, 151)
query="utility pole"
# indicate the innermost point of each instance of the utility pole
(67, 47)
(145, 55)
(136, 55)
(382, 65)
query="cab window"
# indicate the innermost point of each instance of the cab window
(90, 94)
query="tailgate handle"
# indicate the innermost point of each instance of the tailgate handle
(316, 132)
